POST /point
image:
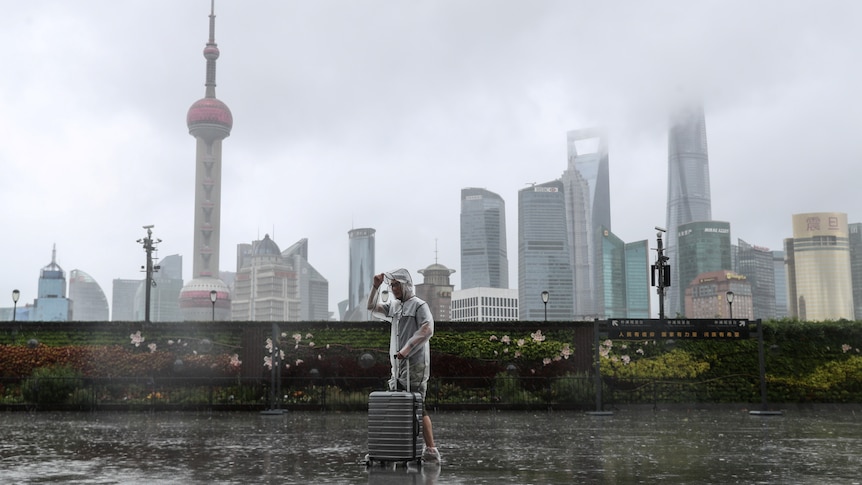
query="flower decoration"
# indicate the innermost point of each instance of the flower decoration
(137, 338)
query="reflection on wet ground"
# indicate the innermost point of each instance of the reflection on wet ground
(487, 447)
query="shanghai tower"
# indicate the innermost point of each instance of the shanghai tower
(588, 210)
(688, 197)
(209, 120)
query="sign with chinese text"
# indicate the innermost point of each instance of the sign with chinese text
(682, 328)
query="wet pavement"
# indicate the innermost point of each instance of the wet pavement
(718, 446)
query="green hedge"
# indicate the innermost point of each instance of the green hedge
(805, 362)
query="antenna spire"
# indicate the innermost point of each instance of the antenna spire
(211, 53)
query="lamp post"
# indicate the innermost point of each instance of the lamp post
(15, 295)
(545, 296)
(729, 297)
(149, 247)
(213, 298)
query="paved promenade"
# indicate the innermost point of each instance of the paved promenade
(717, 446)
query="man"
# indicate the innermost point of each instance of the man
(412, 327)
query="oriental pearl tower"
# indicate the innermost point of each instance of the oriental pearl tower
(206, 297)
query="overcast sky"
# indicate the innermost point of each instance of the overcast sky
(354, 113)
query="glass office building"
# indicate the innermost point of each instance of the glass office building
(688, 193)
(543, 254)
(703, 247)
(361, 273)
(484, 259)
(588, 209)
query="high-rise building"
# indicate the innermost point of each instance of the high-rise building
(123, 294)
(688, 194)
(52, 305)
(128, 303)
(313, 288)
(266, 289)
(586, 187)
(638, 279)
(209, 121)
(165, 295)
(780, 280)
(820, 285)
(855, 231)
(436, 290)
(275, 285)
(361, 274)
(704, 247)
(706, 296)
(625, 278)
(484, 259)
(757, 265)
(611, 303)
(89, 303)
(543, 254)
(482, 304)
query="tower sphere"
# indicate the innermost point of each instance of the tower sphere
(211, 52)
(209, 114)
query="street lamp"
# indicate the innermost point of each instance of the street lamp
(729, 296)
(15, 295)
(545, 296)
(213, 298)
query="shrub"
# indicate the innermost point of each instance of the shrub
(54, 385)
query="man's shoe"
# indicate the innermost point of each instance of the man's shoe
(431, 455)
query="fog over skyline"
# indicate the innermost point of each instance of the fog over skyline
(352, 114)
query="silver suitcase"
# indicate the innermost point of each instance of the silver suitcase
(395, 426)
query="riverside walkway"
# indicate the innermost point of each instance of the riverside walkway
(634, 445)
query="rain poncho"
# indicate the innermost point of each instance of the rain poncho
(412, 327)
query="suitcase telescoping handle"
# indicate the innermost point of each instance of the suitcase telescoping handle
(398, 370)
(416, 429)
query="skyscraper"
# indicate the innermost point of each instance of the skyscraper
(756, 264)
(209, 121)
(780, 280)
(637, 279)
(611, 303)
(588, 208)
(266, 287)
(688, 195)
(855, 230)
(543, 253)
(820, 284)
(624, 270)
(89, 303)
(123, 294)
(52, 305)
(704, 247)
(165, 295)
(361, 273)
(312, 287)
(484, 259)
